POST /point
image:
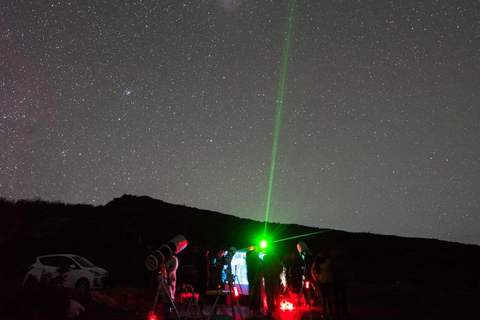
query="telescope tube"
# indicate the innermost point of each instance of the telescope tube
(158, 258)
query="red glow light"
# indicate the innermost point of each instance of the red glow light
(152, 317)
(286, 305)
(235, 292)
(307, 284)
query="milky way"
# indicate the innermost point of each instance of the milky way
(176, 100)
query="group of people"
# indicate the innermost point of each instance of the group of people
(325, 269)
(269, 269)
(210, 271)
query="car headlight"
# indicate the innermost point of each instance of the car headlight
(95, 273)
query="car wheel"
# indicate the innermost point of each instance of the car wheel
(82, 285)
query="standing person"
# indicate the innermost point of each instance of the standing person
(271, 269)
(203, 274)
(254, 277)
(294, 266)
(169, 277)
(322, 272)
(216, 271)
(217, 265)
(339, 286)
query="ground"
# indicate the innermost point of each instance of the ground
(365, 303)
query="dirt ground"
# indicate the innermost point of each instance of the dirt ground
(365, 303)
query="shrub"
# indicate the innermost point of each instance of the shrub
(44, 298)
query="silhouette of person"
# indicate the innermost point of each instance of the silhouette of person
(254, 277)
(203, 274)
(322, 272)
(271, 269)
(217, 264)
(339, 286)
(294, 265)
(169, 276)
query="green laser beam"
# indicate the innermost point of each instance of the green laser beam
(302, 235)
(294, 237)
(287, 43)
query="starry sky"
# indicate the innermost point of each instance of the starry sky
(177, 100)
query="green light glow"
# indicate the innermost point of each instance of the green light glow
(287, 41)
(263, 244)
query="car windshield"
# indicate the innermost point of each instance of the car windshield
(83, 262)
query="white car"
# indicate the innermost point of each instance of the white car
(79, 273)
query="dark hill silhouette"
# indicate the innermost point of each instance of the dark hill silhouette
(119, 235)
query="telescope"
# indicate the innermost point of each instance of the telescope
(304, 252)
(229, 256)
(158, 258)
(307, 278)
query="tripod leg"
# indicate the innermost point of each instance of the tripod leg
(172, 303)
(232, 299)
(167, 293)
(214, 305)
(239, 310)
(155, 301)
(300, 295)
(317, 291)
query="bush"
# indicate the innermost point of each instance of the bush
(44, 298)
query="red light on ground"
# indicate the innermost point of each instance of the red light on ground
(152, 317)
(235, 292)
(286, 305)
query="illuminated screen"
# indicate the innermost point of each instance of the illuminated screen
(239, 271)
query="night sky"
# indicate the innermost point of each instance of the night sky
(177, 100)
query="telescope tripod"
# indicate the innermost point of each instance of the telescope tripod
(313, 284)
(163, 287)
(231, 282)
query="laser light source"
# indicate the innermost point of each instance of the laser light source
(263, 244)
